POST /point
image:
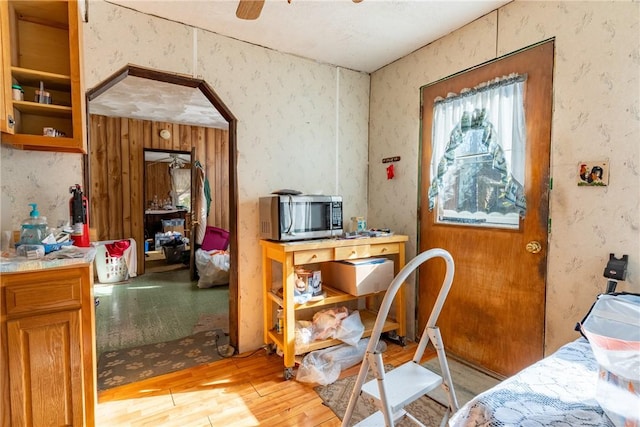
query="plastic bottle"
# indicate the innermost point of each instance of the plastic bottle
(34, 228)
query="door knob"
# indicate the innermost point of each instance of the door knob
(533, 247)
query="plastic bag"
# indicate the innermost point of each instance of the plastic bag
(612, 330)
(324, 366)
(350, 329)
(213, 268)
(326, 322)
(303, 333)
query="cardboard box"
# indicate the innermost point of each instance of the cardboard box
(174, 229)
(358, 277)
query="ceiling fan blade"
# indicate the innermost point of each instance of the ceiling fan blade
(249, 9)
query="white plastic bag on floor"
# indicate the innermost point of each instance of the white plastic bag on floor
(324, 366)
(213, 268)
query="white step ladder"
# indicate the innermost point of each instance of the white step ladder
(395, 389)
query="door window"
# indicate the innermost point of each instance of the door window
(477, 166)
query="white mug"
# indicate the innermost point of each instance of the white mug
(7, 240)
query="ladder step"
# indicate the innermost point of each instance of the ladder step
(404, 385)
(376, 420)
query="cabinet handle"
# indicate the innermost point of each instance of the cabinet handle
(11, 121)
(384, 250)
(314, 256)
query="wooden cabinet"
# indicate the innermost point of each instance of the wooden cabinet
(290, 255)
(48, 356)
(41, 49)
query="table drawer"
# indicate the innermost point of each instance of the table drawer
(312, 256)
(386, 249)
(353, 252)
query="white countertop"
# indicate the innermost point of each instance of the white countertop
(69, 255)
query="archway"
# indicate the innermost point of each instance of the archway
(176, 91)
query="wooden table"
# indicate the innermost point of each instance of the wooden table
(292, 254)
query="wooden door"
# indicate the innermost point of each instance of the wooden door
(193, 273)
(494, 315)
(45, 370)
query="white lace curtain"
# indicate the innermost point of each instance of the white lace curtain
(489, 121)
(181, 186)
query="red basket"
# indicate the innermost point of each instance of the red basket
(215, 238)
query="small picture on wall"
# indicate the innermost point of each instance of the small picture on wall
(593, 174)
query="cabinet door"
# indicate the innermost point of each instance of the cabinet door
(41, 51)
(45, 370)
(6, 106)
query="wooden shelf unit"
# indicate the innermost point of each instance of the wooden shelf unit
(294, 254)
(41, 43)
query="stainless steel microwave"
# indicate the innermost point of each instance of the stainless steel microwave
(299, 217)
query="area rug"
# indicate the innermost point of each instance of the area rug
(116, 368)
(467, 381)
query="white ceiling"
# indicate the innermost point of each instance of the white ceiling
(361, 36)
(139, 98)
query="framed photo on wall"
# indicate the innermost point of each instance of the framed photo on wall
(593, 173)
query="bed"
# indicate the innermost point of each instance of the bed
(573, 385)
(559, 390)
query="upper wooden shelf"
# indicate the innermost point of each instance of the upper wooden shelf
(333, 296)
(28, 77)
(51, 110)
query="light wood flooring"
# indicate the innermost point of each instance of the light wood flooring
(240, 391)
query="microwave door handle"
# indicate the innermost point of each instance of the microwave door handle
(291, 211)
(327, 216)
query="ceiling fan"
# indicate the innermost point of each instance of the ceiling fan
(174, 161)
(250, 9)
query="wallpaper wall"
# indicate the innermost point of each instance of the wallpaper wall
(596, 116)
(308, 126)
(294, 117)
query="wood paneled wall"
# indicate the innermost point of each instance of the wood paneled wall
(116, 163)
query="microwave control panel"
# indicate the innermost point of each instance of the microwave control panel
(336, 209)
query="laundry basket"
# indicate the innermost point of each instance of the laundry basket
(215, 238)
(110, 269)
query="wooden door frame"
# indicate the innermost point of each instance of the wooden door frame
(218, 104)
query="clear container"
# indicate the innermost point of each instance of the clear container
(358, 224)
(17, 93)
(34, 228)
(43, 97)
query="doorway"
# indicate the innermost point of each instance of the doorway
(117, 169)
(494, 315)
(167, 214)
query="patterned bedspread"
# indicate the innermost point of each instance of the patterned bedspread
(557, 391)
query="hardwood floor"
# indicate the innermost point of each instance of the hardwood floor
(239, 391)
